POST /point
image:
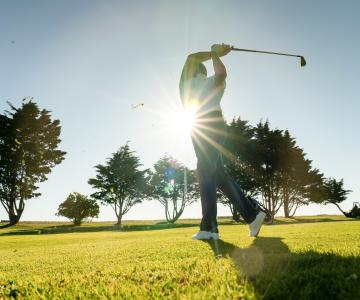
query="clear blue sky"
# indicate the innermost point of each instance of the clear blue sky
(88, 61)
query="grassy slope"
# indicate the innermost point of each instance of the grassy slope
(304, 258)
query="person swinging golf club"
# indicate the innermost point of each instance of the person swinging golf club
(208, 137)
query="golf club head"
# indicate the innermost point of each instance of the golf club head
(302, 61)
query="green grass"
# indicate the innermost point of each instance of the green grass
(303, 258)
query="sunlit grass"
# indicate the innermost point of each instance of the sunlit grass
(303, 258)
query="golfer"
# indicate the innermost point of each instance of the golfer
(208, 136)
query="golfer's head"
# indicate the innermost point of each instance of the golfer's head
(200, 71)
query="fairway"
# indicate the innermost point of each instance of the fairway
(309, 257)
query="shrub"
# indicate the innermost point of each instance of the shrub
(77, 207)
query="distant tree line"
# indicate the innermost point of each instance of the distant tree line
(267, 163)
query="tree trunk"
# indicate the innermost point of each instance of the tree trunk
(77, 222)
(344, 213)
(13, 212)
(286, 208)
(167, 213)
(14, 217)
(177, 216)
(235, 214)
(119, 217)
(173, 220)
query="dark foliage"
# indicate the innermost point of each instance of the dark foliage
(332, 192)
(354, 212)
(77, 207)
(267, 163)
(29, 150)
(120, 183)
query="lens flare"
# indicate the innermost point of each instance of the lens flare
(189, 117)
(183, 121)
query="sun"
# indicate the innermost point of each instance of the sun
(182, 121)
(173, 124)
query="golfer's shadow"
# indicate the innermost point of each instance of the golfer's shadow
(277, 273)
(266, 254)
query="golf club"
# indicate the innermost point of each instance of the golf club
(302, 59)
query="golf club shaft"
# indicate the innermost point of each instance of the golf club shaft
(266, 52)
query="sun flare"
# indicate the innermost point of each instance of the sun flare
(182, 121)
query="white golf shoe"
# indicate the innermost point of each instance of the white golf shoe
(254, 226)
(205, 235)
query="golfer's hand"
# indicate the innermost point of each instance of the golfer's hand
(221, 49)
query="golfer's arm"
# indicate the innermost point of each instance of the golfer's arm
(219, 67)
(199, 57)
(191, 62)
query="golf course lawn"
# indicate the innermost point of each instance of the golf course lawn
(314, 257)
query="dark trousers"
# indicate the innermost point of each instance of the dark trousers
(208, 140)
(211, 178)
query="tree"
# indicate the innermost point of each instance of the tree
(298, 178)
(174, 186)
(354, 212)
(285, 177)
(77, 207)
(29, 150)
(120, 183)
(268, 162)
(265, 161)
(334, 193)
